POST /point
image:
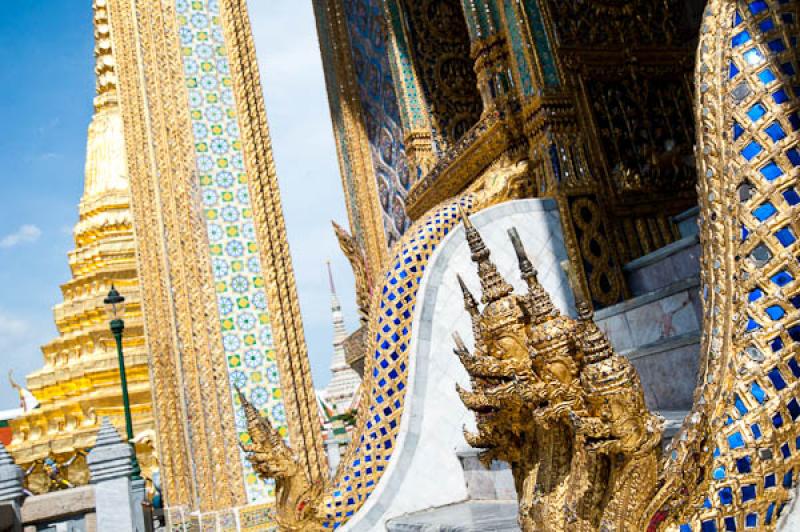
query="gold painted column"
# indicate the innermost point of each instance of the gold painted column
(220, 302)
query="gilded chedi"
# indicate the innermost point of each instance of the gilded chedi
(79, 383)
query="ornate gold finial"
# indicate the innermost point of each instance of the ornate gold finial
(493, 286)
(582, 304)
(104, 70)
(540, 305)
(470, 304)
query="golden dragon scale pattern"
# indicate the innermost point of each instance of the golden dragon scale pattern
(386, 370)
(734, 463)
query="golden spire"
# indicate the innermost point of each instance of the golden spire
(493, 285)
(106, 163)
(104, 69)
(471, 305)
(541, 306)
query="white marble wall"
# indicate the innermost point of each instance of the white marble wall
(660, 333)
(425, 470)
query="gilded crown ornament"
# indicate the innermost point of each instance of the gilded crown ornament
(554, 400)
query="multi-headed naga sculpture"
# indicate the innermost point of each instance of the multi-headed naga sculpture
(554, 400)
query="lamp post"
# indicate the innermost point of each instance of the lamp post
(115, 307)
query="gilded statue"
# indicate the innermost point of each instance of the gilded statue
(554, 400)
(296, 500)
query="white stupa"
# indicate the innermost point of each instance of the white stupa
(342, 389)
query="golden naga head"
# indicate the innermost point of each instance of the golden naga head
(269, 454)
(500, 329)
(526, 351)
(509, 325)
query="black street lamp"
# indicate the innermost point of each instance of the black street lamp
(115, 307)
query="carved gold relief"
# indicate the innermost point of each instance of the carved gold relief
(553, 399)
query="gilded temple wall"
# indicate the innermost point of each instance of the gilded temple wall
(220, 305)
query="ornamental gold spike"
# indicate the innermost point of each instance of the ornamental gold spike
(539, 303)
(470, 304)
(104, 69)
(585, 310)
(493, 286)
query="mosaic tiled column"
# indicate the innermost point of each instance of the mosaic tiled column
(220, 303)
(733, 465)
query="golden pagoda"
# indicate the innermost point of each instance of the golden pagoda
(80, 383)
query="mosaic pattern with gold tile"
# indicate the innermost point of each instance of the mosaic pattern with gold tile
(222, 177)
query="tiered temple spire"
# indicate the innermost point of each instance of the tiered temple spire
(345, 382)
(79, 383)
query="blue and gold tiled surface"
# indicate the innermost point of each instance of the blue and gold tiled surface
(380, 112)
(234, 249)
(387, 376)
(755, 453)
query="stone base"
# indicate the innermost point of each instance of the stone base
(469, 516)
(9, 517)
(73, 505)
(495, 483)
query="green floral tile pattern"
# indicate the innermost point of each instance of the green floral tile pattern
(241, 296)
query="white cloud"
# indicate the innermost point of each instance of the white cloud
(25, 234)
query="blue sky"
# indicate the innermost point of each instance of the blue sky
(47, 85)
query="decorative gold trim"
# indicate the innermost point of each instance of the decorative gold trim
(365, 215)
(168, 403)
(459, 167)
(299, 397)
